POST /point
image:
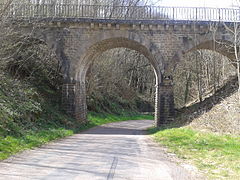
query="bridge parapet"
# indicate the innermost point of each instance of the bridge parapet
(57, 10)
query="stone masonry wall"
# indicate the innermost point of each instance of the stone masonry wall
(162, 42)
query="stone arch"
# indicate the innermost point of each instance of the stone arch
(112, 43)
(222, 47)
(107, 44)
(104, 41)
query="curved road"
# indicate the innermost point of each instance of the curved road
(118, 151)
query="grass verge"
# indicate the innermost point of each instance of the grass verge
(10, 145)
(218, 156)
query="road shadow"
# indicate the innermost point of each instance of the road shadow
(136, 127)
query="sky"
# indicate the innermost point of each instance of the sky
(196, 3)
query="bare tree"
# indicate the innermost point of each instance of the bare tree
(234, 31)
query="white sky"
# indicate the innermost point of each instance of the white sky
(196, 3)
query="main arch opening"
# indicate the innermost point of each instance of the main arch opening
(126, 57)
(120, 80)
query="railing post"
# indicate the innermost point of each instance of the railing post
(173, 14)
(82, 11)
(219, 14)
(196, 14)
(238, 16)
(150, 14)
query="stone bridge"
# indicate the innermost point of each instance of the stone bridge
(78, 37)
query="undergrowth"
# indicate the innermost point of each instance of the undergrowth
(24, 108)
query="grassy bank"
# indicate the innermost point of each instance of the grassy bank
(218, 156)
(10, 145)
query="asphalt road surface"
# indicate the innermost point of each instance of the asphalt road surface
(119, 151)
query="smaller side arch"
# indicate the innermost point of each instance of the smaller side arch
(220, 46)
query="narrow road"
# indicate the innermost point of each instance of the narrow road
(118, 151)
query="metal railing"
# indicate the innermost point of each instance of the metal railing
(121, 12)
